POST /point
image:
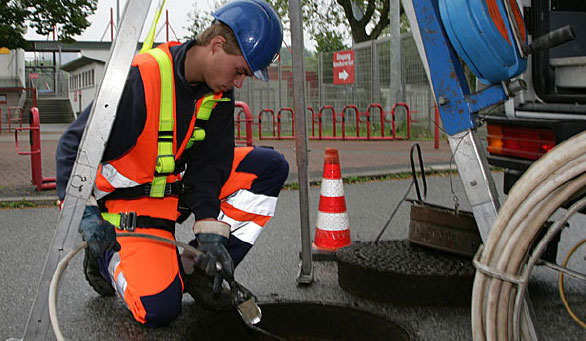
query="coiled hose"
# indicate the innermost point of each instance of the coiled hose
(497, 297)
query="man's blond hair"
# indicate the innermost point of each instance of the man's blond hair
(219, 29)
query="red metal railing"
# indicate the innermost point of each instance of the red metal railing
(357, 114)
(272, 112)
(338, 120)
(320, 121)
(408, 119)
(247, 119)
(279, 114)
(35, 151)
(19, 117)
(382, 115)
(313, 122)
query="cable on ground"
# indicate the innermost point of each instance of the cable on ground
(56, 279)
(561, 285)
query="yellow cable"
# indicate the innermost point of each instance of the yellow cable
(561, 285)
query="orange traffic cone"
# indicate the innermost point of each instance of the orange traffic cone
(332, 228)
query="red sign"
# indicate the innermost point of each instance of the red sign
(33, 75)
(344, 67)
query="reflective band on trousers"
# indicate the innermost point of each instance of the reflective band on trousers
(253, 203)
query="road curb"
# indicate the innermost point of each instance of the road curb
(52, 199)
(350, 173)
(38, 200)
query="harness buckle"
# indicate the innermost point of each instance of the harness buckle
(127, 221)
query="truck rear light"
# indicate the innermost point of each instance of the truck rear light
(522, 142)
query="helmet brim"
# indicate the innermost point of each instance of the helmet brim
(262, 75)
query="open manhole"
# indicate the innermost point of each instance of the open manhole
(300, 321)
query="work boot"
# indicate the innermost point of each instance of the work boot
(91, 269)
(199, 286)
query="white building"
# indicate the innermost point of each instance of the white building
(85, 73)
(12, 77)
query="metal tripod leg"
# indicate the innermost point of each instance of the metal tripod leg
(89, 155)
(476, 178)
(306, 269)
(483, 197)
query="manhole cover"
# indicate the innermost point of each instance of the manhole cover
(301, 322)
(400, 272)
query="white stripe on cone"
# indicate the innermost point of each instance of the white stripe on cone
(332, 221)
(332, 188)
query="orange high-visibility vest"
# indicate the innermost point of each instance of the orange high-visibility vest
(152, 158)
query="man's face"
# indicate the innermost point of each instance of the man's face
(223, 70)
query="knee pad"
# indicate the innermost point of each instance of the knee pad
(164, 307)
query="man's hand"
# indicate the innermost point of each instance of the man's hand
(98, 233)
(212, 238)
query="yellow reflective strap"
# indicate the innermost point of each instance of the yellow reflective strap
(204, 111)
(199, 134)
(165, 157)
(158, 186)
(207, 105)
(112, 218)
(166, 122)
(165, 164)
(150, 38)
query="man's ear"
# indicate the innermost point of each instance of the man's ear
(217, 43)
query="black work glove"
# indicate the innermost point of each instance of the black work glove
(98, 233)
(212, 239)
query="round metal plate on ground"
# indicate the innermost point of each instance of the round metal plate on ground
(400, 272)
(444, 229)
(300, 321)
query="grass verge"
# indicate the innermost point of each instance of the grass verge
(23, 203)
(394, 176)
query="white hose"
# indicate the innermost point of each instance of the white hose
(546, 185)
(54, 288)
(56, 279)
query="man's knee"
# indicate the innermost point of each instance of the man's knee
(270, 166)
(164, 307)
(280, 169)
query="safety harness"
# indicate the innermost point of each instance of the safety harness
(166, 162)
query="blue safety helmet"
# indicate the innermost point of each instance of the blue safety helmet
(259, 32)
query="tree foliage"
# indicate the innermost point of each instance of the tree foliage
(200, 19)
(68, 17)
(366, 14)
(330, 22)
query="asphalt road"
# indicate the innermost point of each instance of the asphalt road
(270, 271)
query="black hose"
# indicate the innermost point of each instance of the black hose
(415, 182)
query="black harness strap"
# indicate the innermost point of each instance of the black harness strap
(172, 189)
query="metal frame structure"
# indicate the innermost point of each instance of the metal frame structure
(458, 109)
(90, 152)
(306, 269)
